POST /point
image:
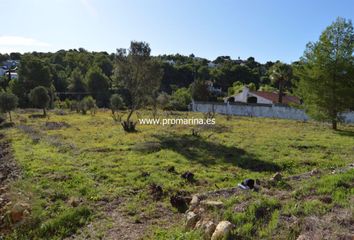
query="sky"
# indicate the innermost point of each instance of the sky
(267, 30)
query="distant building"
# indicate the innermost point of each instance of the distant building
(247, 96)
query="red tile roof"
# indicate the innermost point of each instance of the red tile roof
(275, 96)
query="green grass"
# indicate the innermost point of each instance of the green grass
(95, 160)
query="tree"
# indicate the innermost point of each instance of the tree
(137, 72)
(199, 90)
(87, 104)
(116, 102)
(77, 85)
(32, 72)
(180, 99)
(8, 103)
(281, 74)
(40, 98)
(98, 85)
(326, 71)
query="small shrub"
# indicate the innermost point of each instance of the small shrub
(116, 103)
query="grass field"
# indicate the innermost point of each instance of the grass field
(85, 178)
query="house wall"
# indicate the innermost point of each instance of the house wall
(258, 110)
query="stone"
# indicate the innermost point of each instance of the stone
(194, 202)
(207, 227)
(191, 220)
(222, 230)
(277, 177)
(212, 204)
(315, 171)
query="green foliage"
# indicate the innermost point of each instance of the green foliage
(87, 104)
(116, 102)
(77, 84)
(260, 218)
(139, 74)
(326, 71)
(66, 223)
(180, 99)
(8, 102)
(236, 88)
(40, 98)
(199, 90)
(281, 74)
(98, 86)
(267, 88)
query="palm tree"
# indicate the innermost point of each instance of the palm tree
(280, 73)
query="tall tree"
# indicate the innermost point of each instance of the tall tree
(326, 73)
(98, 85)
(280, 73)
(136, 71)
(77, 85)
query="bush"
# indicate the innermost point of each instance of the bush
(116, 102)
(180, 100)
(8, 103)
(87, 104)
(40, 98)
(163, 99)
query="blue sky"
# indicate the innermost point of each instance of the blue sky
(264, 29)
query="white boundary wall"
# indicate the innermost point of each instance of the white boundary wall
(258, 110)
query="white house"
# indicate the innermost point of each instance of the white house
(248, 96)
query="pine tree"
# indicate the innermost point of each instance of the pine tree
(326, 73)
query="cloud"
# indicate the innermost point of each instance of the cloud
(21, 41)
(89, 7)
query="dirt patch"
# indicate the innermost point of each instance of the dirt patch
(56, 125)
(9, 171)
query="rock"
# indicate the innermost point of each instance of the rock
(277, 177)
(194, 202)
(315, 171)
(18, 212)
(212, 204)
(74, 201)
(222, 230)
(191, 220)
(207, 227)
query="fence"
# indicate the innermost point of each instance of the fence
(258, 110)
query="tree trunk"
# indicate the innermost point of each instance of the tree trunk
(44, 112)
(334, 124)
(10, 116)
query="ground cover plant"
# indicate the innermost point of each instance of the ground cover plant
(83, 176)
